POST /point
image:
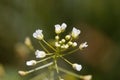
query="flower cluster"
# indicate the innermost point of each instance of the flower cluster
(57, 51)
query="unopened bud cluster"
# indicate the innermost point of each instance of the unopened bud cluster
(57, 51)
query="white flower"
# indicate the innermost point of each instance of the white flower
(38, 34)
(83, 45)
(63, 27)
(31, 63)
(59, 29)
(40, 54)
(76, 66)
(75, 32)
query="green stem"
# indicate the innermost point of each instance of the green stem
(51, 75)
(56, 66)
(44, 59)
(49, 45)
(41, 67)
(66, 60)
(70, 52)
(43, 47)
(70, 73)
(50, 54)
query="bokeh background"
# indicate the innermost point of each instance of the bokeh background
(99, 21)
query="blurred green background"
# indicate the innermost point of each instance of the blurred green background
(99, 21)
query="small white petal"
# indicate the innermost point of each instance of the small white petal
(38, 34)
(40, 54)
(83, 45)
(63, 26)
(38, 31)
(57, 29)
(31, 63)
(75, 32)
(34, 35)
(76, 66)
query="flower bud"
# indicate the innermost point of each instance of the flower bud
(86, 77)
(83, 45)
(57, 37)
(74, 44)
(76, 66)
(67, 37)
(22, 73)
(63, 40)
(40, 54)
(70, 43)
(31, 63)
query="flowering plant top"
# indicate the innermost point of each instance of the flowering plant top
(57, 51)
